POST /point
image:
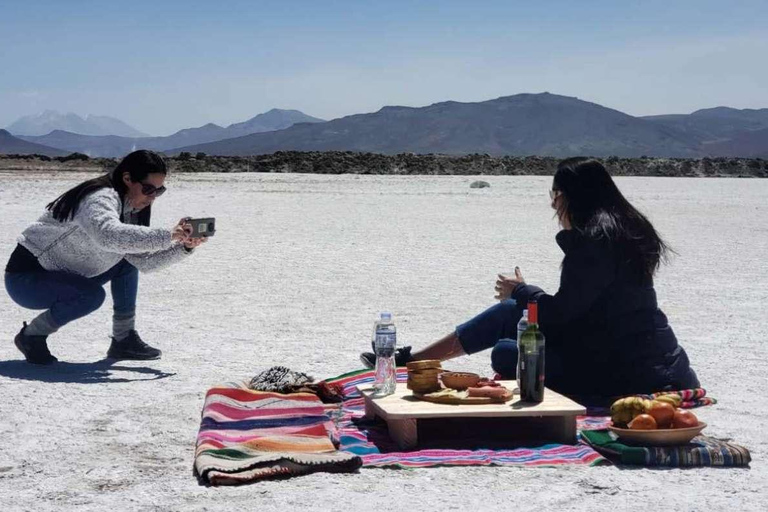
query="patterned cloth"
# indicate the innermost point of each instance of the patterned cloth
(701, 451)
(371, 442)
(248, 435)
(696, 397)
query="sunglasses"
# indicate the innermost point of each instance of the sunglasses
(150, 190)
(553, 194)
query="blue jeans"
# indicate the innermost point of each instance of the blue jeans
(70, 296)
(495, 328)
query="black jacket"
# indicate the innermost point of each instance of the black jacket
(605, 335)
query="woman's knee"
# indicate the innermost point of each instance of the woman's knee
(505, 308)
(93, 298)
(504, 358)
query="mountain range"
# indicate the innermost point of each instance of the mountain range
(524, 124)
(50, 120)
(112, 145)
(15, 146)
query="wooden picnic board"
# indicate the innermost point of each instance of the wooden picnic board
(411, 421)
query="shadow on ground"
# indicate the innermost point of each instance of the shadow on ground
(81, 373)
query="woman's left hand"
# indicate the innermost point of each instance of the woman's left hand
(505, 285)
(191, 243)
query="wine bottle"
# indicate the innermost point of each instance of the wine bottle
(531, 358)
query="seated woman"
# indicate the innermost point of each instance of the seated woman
(605, 335)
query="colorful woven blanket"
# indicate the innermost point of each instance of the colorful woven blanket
(696, 397)
(371, 442)
(248, 435)
(701, 451)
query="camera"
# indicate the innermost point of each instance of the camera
(202, 227)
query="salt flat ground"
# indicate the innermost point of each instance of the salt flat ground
(298, 269)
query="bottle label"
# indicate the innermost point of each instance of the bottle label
(385, 341)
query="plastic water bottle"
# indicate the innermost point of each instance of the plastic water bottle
(522, 325)
(384, 342)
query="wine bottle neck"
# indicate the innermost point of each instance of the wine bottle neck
(533, 313)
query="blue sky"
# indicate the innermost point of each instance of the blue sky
(162, 66)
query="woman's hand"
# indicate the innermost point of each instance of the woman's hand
(505, 285)
(182, 230)
(191, 243)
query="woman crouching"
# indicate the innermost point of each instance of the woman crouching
(95, 233)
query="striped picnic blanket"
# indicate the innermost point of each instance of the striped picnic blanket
(371, 442)
(701, 451)
(248, 435)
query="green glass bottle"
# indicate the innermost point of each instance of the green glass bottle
(531, 358)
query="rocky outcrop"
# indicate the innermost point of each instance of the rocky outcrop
(347, 162)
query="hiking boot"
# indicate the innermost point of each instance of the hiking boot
(402, 356)
(34, 348)
(132, 347)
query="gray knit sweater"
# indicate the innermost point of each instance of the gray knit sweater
(95, 240)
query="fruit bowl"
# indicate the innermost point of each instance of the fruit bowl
(459, 380)
(660, 436)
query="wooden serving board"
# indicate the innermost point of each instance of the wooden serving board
(411, 419)
(460, 397)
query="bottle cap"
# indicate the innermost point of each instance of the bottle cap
(533, 312)
(386, 316)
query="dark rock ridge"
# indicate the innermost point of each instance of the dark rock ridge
(347, 162)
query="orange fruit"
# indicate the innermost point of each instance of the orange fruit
(662, 412)
(684, 419)
(643, 422)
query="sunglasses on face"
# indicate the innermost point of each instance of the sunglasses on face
(150, 190)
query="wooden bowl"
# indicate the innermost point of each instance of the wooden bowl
(423, 365)
(422, 388)
(432, 372)
(459, 380)
(659, 436)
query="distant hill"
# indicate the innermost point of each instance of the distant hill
(11, 145)
(51, 120)
(111, 146)
(753, 144)
(524, 124)
(275, 119)
(714, 124)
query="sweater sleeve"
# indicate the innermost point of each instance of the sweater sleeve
(151, 261)
(99, 217)
(588, 269)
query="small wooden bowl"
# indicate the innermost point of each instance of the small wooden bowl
(423, 365)
(459, 380)
(432, 372)
(423, 389)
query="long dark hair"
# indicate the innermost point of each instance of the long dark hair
(137, 164)
(596, 208)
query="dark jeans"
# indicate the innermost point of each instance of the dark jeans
(70, 296)
(496, 328)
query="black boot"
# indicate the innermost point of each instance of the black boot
(34, 348)
(132, 347)
(402, 356)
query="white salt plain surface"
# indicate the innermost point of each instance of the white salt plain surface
(295, 275)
